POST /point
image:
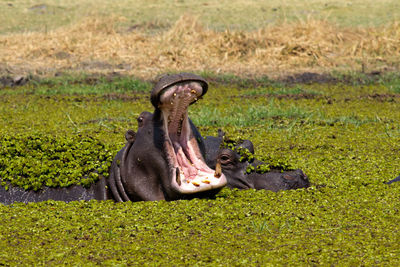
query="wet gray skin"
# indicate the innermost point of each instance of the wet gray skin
(234, 168)
(165, 158)
(397, 179)
(275, 180)
(72, 193)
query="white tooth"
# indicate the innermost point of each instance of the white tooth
(218, 171)
(174, 94)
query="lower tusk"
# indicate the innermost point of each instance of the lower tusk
(218, 171)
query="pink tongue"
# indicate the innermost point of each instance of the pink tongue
(189, 170)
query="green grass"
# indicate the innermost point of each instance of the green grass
(23, 15)
(245, 115)
(82, 86)
(394, 86)
(344, 139)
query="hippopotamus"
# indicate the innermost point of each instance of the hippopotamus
(97, 191)
(240, 176)
(241, 172)
(164, 160)
(234, 166)
(397, 179)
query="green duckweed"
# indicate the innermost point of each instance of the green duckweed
(346, 139)
(31, 160)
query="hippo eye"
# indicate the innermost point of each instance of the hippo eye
(225, 159)
(140, 121)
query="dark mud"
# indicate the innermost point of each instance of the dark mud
(309, 78)
(383, 97)
(357, 78)
(302, 78)
(8, 81)
(285, 96)
(329, 100)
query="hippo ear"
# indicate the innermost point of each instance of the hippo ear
(221, 133)
(248, 145)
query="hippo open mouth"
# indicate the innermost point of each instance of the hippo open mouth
(188, 171)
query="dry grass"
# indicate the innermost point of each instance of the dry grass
(95, 45)
(27, 15)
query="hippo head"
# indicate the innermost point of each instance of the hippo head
(243, 171)
(171, 98)
(166, 160)
(231, 163)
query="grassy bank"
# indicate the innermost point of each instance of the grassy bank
(248, 39)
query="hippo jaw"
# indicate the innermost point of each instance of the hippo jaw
(188, 171)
